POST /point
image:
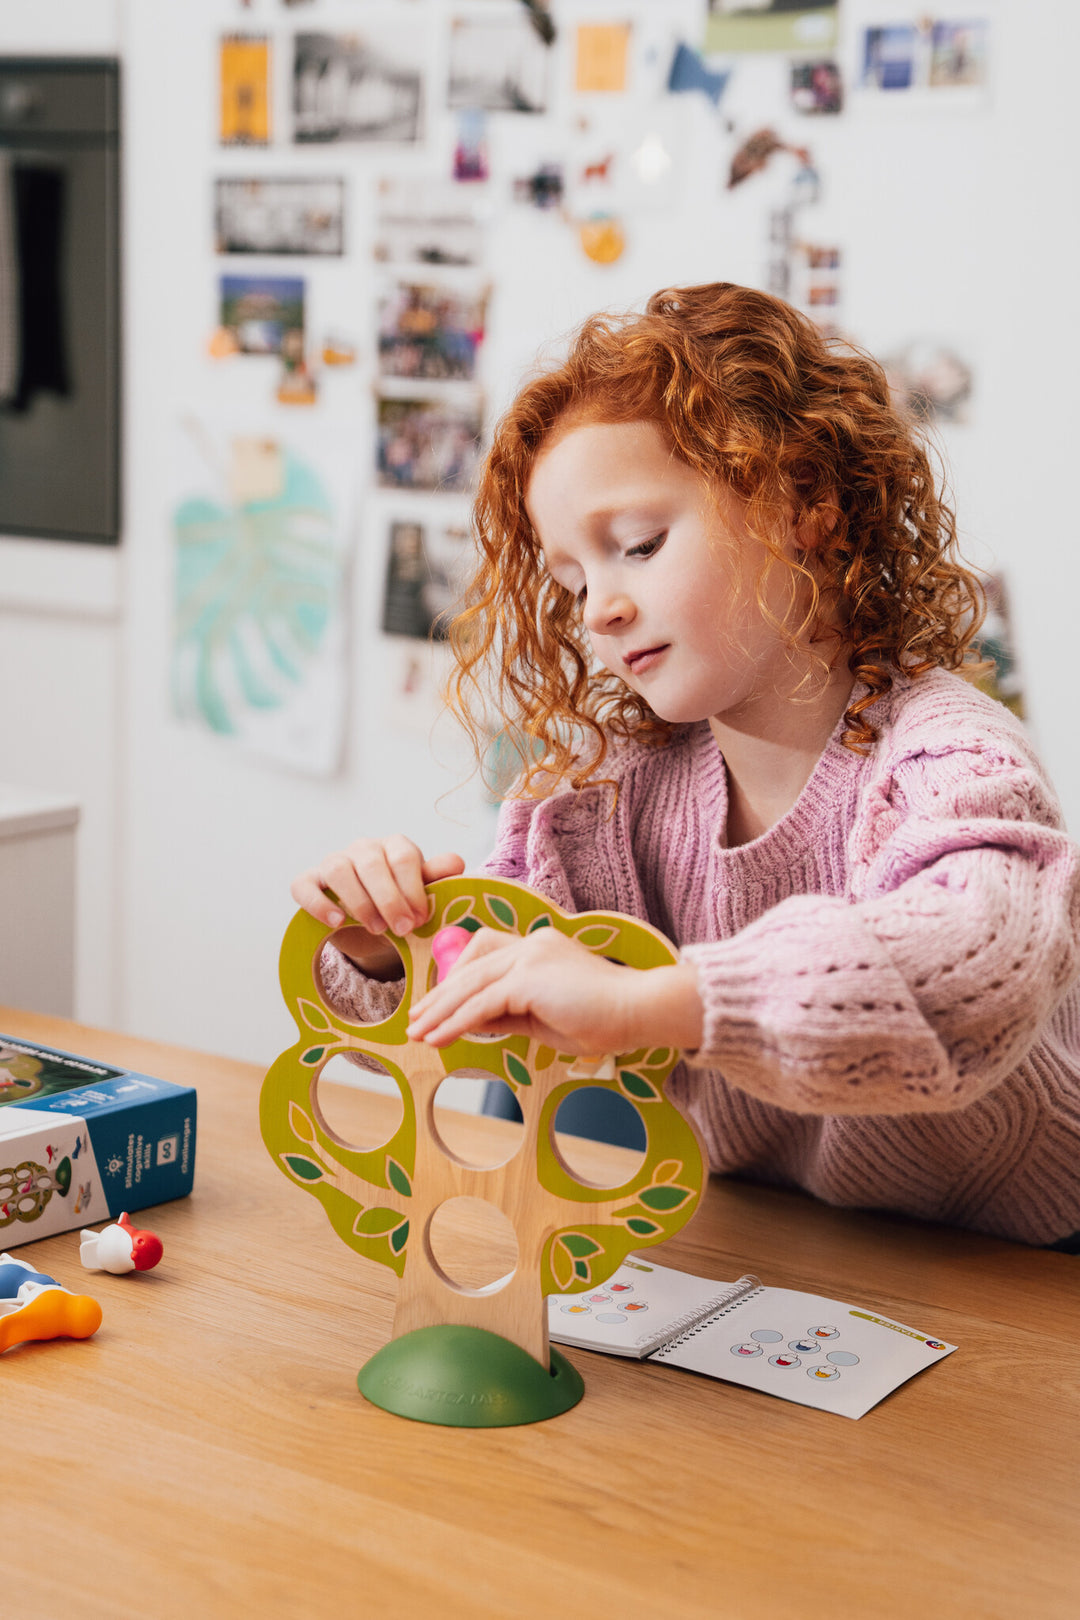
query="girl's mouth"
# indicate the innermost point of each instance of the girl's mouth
(638, 662)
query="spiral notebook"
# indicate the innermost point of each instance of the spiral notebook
(805, 1348)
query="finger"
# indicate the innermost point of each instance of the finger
(338, 873)
(477, 1014)
(449, 994)
(482, 960)
(310, 897)
(441, 866)
(405, 863)
(381, 883)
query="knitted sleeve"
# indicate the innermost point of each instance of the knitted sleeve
(932, 986)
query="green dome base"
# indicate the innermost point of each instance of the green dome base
(467, 1378)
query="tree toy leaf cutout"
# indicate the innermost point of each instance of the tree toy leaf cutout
(571, 1234)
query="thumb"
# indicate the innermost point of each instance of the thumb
(440, 866)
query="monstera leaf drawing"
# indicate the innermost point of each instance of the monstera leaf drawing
(257, 622)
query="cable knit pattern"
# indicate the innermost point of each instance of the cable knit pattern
(888, 973)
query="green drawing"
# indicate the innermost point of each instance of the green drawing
(256, 586)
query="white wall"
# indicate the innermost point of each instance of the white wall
(959, 225)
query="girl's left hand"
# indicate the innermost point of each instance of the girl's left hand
(552, 989)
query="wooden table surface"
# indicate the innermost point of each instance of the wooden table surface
(207, 1453)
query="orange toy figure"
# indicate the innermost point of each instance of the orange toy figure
(34, 1306)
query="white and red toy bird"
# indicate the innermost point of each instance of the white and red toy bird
(119, 1248)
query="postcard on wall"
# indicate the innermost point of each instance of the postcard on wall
(498, 64)
(996, 642)
(352, 87)
(601, 57)
(771, 25)
(471, 161)
(816, 87)
(426, 565)
(940, 59)
(931, 380)
(300, 215)
(425, 221)
(431, 332)
(245, 90)
(259, 312)
(428, 443)
(261, 534)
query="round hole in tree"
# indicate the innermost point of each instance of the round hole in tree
(588, 1123)
(460, 1098)
(358, 1101)
(472, 1245)
(379, 961)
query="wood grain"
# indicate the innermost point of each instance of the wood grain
(207, 1453)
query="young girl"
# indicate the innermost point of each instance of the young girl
(716, 597)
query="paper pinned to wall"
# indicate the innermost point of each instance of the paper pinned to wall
(601, 57)
(261, 568)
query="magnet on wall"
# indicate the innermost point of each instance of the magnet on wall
(602, 238)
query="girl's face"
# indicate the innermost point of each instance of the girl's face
(665, 572)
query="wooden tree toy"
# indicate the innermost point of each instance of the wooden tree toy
(476, 1357)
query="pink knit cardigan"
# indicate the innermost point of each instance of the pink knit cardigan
(888, 973)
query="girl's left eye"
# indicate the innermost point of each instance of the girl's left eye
(646, 548)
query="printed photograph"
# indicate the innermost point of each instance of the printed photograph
(348, 87)
(471, 146)
(426, 564)
(499, 64)
(816, 87)
(997, 643)
(771, 25)
(957, 53)
(428, 444)
(889, 57)
(931, 381)
(263, 314)
(295, 216)
(421, 221)
(430, 332)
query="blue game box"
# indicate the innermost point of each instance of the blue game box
(81, 1142)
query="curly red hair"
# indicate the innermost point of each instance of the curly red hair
(802, 429)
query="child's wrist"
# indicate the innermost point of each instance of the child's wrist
(666, 1009)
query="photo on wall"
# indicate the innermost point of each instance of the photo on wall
(263, 314)
(298, 216)
(428, 443)
(771, 25)
(425, 221)
(351, 87)
(426, 565)
(497, 64)
(431, 332)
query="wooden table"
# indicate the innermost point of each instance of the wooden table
(207, 1454)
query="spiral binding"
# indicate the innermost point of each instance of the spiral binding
(684, 1327)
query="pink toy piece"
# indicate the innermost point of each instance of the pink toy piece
(447, 946)
(120, 1248)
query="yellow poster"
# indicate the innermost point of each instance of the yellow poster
(245, 90)
(601, 56)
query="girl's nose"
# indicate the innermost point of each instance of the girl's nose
(606, 614)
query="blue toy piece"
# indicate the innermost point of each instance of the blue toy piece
(14, 1273)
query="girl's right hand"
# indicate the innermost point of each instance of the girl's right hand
(380, 884)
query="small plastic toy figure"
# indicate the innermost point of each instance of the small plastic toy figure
(35, 1306)
(120, 1248)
